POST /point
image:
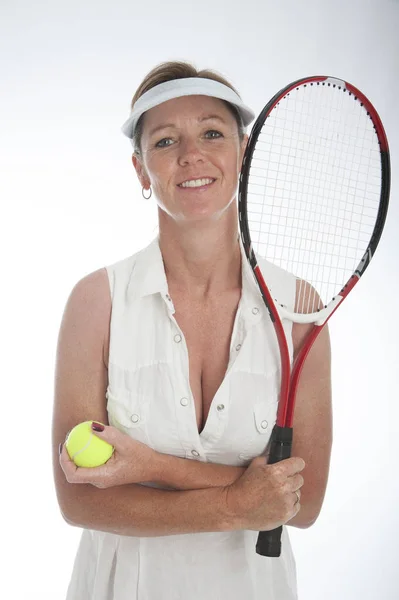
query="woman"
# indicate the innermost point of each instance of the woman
(177, 339)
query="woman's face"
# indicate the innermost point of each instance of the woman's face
(191, 156)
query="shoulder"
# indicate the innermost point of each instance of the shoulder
(92, 291)
(274, 270)
(88, 308)
(121, 271)
(281, 283)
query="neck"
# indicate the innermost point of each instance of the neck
(201, 262)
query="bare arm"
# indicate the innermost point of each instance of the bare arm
(313, 424)
(80, 385)
(188, 474)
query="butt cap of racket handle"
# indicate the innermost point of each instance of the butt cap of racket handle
(269, 543)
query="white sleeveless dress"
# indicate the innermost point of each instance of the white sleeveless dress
(149, 398)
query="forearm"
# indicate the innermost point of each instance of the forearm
(187, 474)
(136, 510)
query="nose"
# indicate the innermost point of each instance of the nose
(190, 151)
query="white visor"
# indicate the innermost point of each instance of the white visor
(188, 86)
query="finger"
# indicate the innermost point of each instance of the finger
(93, 475)
(258, 461)
(109, 434)
(293, 465)
(65, 459)
(77, 474)
(67, 465)
(295, 482)
(297, 497)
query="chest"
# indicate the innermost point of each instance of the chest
(207, 328)
(161, 388)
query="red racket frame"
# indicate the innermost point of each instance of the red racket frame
(269, 541)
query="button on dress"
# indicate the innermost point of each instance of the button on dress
(149, 398)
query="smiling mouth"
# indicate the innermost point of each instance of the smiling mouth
(196, 183)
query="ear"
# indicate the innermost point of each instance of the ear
(141, 172)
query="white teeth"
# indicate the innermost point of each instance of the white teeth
(196, 182)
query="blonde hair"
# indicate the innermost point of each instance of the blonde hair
(167, 71)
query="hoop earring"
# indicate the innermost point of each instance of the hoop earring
(146, 197)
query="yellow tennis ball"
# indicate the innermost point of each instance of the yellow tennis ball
(85, 448)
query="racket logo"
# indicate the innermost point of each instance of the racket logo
(364, 262)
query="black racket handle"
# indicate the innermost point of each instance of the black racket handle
(269, 542)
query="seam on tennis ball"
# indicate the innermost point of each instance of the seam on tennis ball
(84, 447)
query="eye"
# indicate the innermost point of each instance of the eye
(164, 143)
(213, 134)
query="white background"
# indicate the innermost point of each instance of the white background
(71, 204)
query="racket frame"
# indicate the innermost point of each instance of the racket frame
(269, 543)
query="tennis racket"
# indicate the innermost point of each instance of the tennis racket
(313, 198)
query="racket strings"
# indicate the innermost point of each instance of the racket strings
(314, 187)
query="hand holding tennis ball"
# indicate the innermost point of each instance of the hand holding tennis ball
(85, 448)
(104, 456)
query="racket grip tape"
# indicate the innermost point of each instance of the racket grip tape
(269, 542)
